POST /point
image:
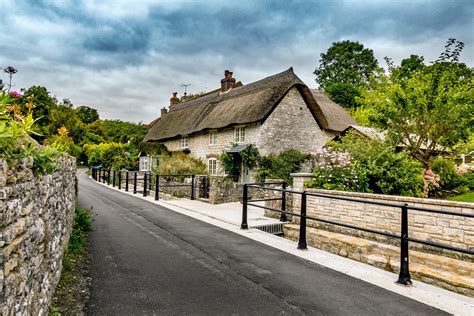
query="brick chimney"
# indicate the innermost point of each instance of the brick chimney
(174, 99)
(228, 82)
(164, 111)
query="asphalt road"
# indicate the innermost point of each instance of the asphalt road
(146, 260)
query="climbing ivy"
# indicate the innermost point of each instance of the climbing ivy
(232, 163)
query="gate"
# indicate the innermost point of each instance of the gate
(204, 188)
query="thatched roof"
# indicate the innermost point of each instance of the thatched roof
(246, 104)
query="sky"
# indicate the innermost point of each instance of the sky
(125, 57)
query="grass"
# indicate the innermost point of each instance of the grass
(466, 197)
(68, 292)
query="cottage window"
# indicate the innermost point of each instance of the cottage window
(213, 138)
(212, 166)
(144, 166)
(239, 134)
(184, 142)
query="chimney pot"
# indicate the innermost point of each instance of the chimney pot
(164, 111)
(228, 82)
(174, 99)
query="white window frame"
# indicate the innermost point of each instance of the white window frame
(144, 163)
(239, 134)
(212, 166)
(212, 138)
(184, 141)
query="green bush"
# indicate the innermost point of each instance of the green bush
(364, 165)
(82, 224)
(180, 163)
(232, 163)
(281, 166)
(16, 129)
(450, 180)
(112, 155)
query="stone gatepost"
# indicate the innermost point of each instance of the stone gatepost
(299, 179)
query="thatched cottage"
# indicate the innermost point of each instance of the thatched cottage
(276, 113)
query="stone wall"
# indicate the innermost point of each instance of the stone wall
(291, 126)
(447, 229)
(36, 220)
(224, 190)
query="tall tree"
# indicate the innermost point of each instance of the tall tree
(427, 112)
(344, 69)
(87, 114)
(43, 102)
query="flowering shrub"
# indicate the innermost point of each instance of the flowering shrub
(364, 165)
(15, 139)
(180, 163)
(336, 170)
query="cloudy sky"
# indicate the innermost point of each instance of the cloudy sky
(126, 57)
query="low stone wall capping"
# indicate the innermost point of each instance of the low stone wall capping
(36, 221)
(447, 229)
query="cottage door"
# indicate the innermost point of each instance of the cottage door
(245, 175)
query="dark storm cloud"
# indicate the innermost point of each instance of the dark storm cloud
(118, 55)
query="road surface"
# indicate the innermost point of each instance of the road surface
(146, 260)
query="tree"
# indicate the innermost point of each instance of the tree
(87, 115)
(428, 112)
(43, 102)
(344, 69)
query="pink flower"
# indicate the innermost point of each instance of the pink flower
(15, 94)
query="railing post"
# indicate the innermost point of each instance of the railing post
(283, 203)
(135, 182)
(120, 179)
(404, 276)
(157, 187)
(244, 224)
(145, 183)
(108, 177)
(126, 181)
(302, 240)
(113, 178)
(192, 186)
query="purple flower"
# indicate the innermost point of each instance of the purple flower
(15, 94)
(10, 70)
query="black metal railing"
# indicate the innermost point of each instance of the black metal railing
(143, 181)
(404, 275)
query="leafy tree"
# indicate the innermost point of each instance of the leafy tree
(344, 69)
(43, 102)
(64, 116)
(87, 114)
(426, 113)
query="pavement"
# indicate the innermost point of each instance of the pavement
(188, 257)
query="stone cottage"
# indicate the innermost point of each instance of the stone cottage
(276, 113)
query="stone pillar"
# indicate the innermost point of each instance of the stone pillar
(299, 179)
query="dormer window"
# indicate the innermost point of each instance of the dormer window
(239, 134)
(184, 142)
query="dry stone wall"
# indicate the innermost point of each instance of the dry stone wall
(36, 220)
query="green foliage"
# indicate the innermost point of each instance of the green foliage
(450, 179)
(180, 163)
(343, 69)
(118, 131)
(344, 94)
(87, 114)
(112, 155)
(43, 102)
(428, 111)
(363, 165)
(15, 140)
(232, 163)
(281, 166)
